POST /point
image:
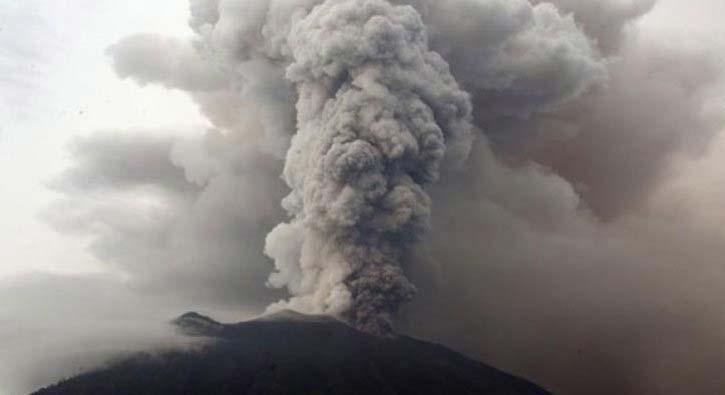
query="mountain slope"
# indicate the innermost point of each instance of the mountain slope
(290, 353)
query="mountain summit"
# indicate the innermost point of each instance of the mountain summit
(293, 353)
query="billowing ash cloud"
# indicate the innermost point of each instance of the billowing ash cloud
(614, 144)
(578, 244)
(190, 211)
(608, 22)
(377, 112)
(516, 59)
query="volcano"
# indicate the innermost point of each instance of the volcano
(292, 353)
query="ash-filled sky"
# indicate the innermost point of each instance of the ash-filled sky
(534, 183)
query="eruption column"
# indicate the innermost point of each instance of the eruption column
(377, 115)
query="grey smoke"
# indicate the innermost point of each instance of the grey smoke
(173, 62)
(578, 245)
(516, 59)
(165, 210)
(607, 23)
(614, 145)
(270, 32)
(377, 112)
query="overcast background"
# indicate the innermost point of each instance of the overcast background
(56, 82)
(58, 89)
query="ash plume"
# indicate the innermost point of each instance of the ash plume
(377, 110)
(377, 113)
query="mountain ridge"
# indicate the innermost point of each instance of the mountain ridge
(292, 353)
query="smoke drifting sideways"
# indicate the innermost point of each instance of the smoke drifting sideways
(542, 172)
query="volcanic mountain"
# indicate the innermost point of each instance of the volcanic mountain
(292, 353)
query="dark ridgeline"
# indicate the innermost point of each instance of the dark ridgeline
(291, 353)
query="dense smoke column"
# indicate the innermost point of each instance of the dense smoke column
(377, 114)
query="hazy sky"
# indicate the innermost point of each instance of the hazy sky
(57, 83)
(58, 86)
